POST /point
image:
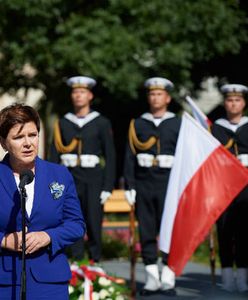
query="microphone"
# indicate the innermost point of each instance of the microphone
(26, 177)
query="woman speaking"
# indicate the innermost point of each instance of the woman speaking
(53, 216)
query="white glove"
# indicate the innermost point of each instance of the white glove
(104, 196)
(130, 196)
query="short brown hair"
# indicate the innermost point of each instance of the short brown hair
(17, 114)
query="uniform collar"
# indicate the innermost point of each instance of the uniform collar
(227, 124)
(81, 122)
(150, 117)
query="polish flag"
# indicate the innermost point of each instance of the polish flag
(198, 114)
(204, 180)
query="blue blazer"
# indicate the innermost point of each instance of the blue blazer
(56, 210)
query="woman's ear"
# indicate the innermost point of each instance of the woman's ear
(2, 142)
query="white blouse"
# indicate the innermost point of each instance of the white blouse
(30, 194)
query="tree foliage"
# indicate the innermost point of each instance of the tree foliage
(118, 42)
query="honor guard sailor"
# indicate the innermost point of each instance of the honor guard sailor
(83, 142)
(149, 157)
(232, 131)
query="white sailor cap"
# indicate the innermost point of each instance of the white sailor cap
(81, 81)
(159, 83)
(234, 90)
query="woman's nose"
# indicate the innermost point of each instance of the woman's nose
(27, 141)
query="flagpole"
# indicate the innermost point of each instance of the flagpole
(132, 252)
(212, 256)
(205, 122)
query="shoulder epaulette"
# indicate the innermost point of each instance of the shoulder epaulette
(60, 147)
(135, 143)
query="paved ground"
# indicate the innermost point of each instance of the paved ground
(195, 282)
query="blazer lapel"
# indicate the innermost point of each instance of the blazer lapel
(39, 185)
(8, 180)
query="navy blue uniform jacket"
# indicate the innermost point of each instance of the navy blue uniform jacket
(59, 215)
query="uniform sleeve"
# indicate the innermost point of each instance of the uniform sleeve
(109, 156)
(54, 155)
(73, 226)
(129, 168)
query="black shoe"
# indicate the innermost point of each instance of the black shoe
(170, 292)
(243, 293)
(145, 292)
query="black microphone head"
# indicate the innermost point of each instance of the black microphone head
(26, 177)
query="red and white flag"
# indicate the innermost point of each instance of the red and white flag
(204, 180)
(198, 114)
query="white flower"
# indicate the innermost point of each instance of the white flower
(74, 266)
(81, 297)
(71, 289)
(119, 297)
(104, 281)
(111, 289)
(95, 296)
(103, 294)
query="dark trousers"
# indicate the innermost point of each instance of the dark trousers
(89, 195)
(232, 228)
(149, 209)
